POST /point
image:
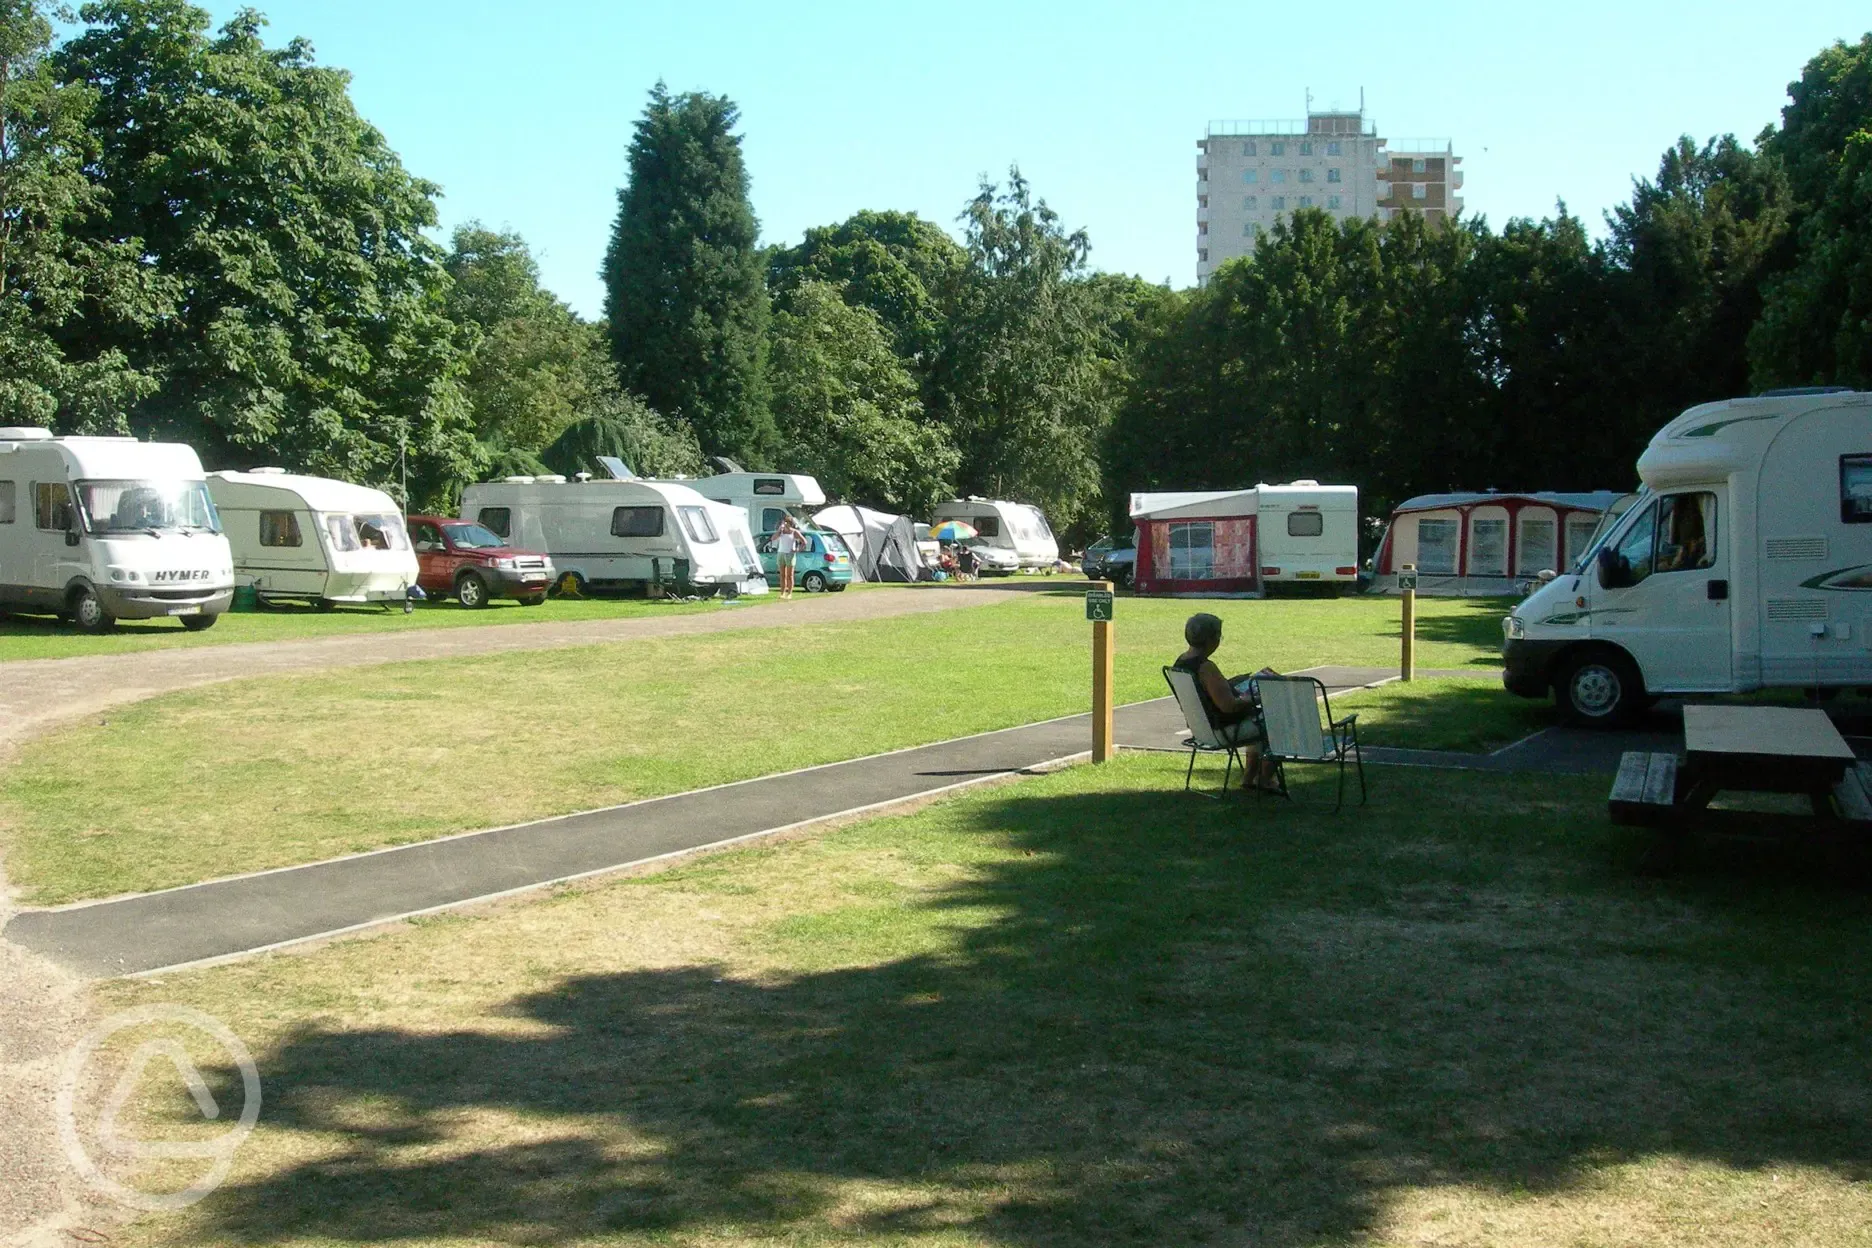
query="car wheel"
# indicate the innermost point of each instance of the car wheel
(88, 613)
(1599, 689)
(533, 600)
(814, 582)
(198, 623)
(471, 591)
(570, 585)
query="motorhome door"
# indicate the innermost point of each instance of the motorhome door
(1661, 590)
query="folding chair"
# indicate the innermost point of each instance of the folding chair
(1204, 737)
(1297, 732)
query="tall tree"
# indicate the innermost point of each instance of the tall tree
(847, 406)
(905, 269)
(685, 294)
(310, 318)
(52, 277)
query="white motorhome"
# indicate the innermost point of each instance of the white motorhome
(1744, 563)
(1006, 529)
(622, 535)
(313, 539)
(1307, 533)
(103, 529)
(763, 496)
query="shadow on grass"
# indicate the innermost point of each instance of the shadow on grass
(1189, 1022)
(1475, 622)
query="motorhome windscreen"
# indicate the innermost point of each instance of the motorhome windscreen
(380, 532)
(696, 521)
(472, 537)
(146, 506)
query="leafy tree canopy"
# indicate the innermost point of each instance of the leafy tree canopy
(903, 268)
(627, 428)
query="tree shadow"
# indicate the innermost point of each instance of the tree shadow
(1188, 1022)
(1476, 623)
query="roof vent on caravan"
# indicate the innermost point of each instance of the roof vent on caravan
(1786, 392)
(551, 479)
(517, 480)
(1306, 481)
(268, 472)
(25, 433)
(619, 470)
(581, 477)
(725, 464)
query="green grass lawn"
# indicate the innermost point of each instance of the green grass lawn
(271, 772)
(1080, 1009)
(42, 637)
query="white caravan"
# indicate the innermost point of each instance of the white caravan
(1745, 563)
(1015, 529)
(103, 529)
(622, 535)
(763, 496)
(313, 539)
(1307, 534)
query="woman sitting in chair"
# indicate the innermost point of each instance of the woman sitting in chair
(1231, 713)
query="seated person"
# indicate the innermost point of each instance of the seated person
(1232, 713)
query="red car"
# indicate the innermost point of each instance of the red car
(466, 561)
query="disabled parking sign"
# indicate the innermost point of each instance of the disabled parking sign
(1099, 605)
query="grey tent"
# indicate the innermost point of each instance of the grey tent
(883, 546)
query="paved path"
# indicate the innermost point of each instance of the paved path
(37, 694)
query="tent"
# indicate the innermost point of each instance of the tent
(884, 546)
(1487, 542)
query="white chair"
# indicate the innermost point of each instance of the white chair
(1297, 717)
(1205, 737)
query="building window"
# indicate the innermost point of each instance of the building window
(280, 528)
(1248, 148)
(1202, 227)
(1248, 229)
(1306, 201)
(1332, 175)
(1251, 176)
(637, 522)
(1277, 202)
(1192, 552)
(1332, 148)
(1306, 148)
(1250, 202)
(1419, 190)
(1202, 255)
(1277, 149)
(1202, 201)
(1306, 175)
(1278, 175)
(1418, 166)
(1332, 201)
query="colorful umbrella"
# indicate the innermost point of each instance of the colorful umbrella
(952, 531)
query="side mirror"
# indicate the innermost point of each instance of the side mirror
(71, 537)
(1613, 574)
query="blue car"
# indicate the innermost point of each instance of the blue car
(827, 566)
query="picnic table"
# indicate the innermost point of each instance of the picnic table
(1756, 749)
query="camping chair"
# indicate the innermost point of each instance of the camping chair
(1204, 737)
(1297, 732)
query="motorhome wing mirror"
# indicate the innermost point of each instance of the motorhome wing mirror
(1612, 572)
(71, 537)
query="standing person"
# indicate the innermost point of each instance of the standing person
(788, 541)
(1231, 713)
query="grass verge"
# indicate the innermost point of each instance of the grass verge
(1085, 1008)
(267, 773)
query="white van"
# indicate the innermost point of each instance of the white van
(313, 539)
(1744, 563)
(1014, 536)
(1307, 534)
(103, 529)
(622, 535)
(763, 496)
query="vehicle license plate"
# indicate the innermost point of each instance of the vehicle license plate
(184, 610)
(1306, 576)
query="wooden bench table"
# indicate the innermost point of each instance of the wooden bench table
(1761, 749)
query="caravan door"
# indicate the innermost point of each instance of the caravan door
(1667, 603)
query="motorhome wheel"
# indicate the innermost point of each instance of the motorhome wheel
(1599, 689)
(814, 582)
(88, 613)
(471, 591)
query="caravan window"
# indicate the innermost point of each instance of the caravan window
(637, 522)
(339, 532)
(381, 532)
(52, 505)
(1856, 489)
(1488, 555)
(1305, 524)
(1436, 547)
(280, 528)
(1192, 551)
(1536, 550)
(1579, 534)
(7, 504)
(987, 526)
(770, 485)
(496, 520)
(696, 521)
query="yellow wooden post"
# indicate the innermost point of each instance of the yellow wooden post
(1101, 675)
(1407, 579)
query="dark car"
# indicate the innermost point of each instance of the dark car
(1107, 560)
(471, 563)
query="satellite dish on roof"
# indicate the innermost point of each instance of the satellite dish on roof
(725, 464)
(616, 467)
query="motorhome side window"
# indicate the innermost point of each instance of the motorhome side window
(1856, 489)
(769, 485)
(496, 520)
(988, 526)
(637, 522)
(280, 528)
(7, 504)
(1305, 524)
(1686, 532)
(52, 505)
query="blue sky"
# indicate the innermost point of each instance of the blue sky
(522, 113)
